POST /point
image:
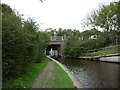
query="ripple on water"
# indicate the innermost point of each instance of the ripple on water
(93, 74)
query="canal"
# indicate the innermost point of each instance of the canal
(94, 74)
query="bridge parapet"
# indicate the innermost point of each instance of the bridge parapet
(58, 38)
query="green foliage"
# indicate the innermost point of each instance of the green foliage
(63, 32)
(106, 17)
(6, 9)
(26, 80)
(42, 40)
(94, 44)
(75, 48)
(87, 33)
(72, 48)
(22, 43)
(105, 51)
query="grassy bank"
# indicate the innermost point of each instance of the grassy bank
(26, 80)
(105, 51)
(60, 79)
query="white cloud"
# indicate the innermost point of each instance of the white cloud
(56, 13)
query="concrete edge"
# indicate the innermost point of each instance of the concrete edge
(99, 56)
(71, 75)
(110, 62)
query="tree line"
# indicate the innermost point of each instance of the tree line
(22, 43)
(106, 17)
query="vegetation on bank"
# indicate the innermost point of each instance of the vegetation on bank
(75, 48)
(104, 51)
(78, 43)
(59, 79)
(26, 80)
(23, 44)
(105, 17)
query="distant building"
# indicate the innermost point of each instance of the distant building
(88, 37)
(93, 37)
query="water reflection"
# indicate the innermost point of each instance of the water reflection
(94, 74)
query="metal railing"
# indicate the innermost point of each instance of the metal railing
(94, 50)
(59, 38)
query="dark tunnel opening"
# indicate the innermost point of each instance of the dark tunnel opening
(54, 47)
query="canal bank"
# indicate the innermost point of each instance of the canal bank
(53, 76)
(112, 58)
(71, 75)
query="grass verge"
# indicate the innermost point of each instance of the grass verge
(106, 51)
(27, 79)
(60, 79)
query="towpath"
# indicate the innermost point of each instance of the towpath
(42, 81)
(44, 76)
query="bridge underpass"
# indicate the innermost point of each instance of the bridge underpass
(56, 47)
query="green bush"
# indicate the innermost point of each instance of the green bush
(94, 43)
(22, 43)
(72, 47)
(75, 48)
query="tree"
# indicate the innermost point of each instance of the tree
(22, 43)
(75, 48)
(87, 33)
(41, 42)
(106, 17)
(72, 48)
(59, 32)
(14, 44)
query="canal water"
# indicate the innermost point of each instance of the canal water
(94, 74)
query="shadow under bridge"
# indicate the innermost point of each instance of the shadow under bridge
(55, 49)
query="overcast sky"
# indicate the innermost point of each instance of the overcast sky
(67, 14)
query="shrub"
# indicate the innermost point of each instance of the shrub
(75, 48)
(22, 43)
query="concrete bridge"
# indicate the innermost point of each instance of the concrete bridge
(56, 46)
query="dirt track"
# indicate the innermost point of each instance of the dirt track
(44, 76)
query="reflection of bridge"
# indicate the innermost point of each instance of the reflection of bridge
(56, 46)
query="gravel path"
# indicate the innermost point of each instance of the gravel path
(44, 76)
